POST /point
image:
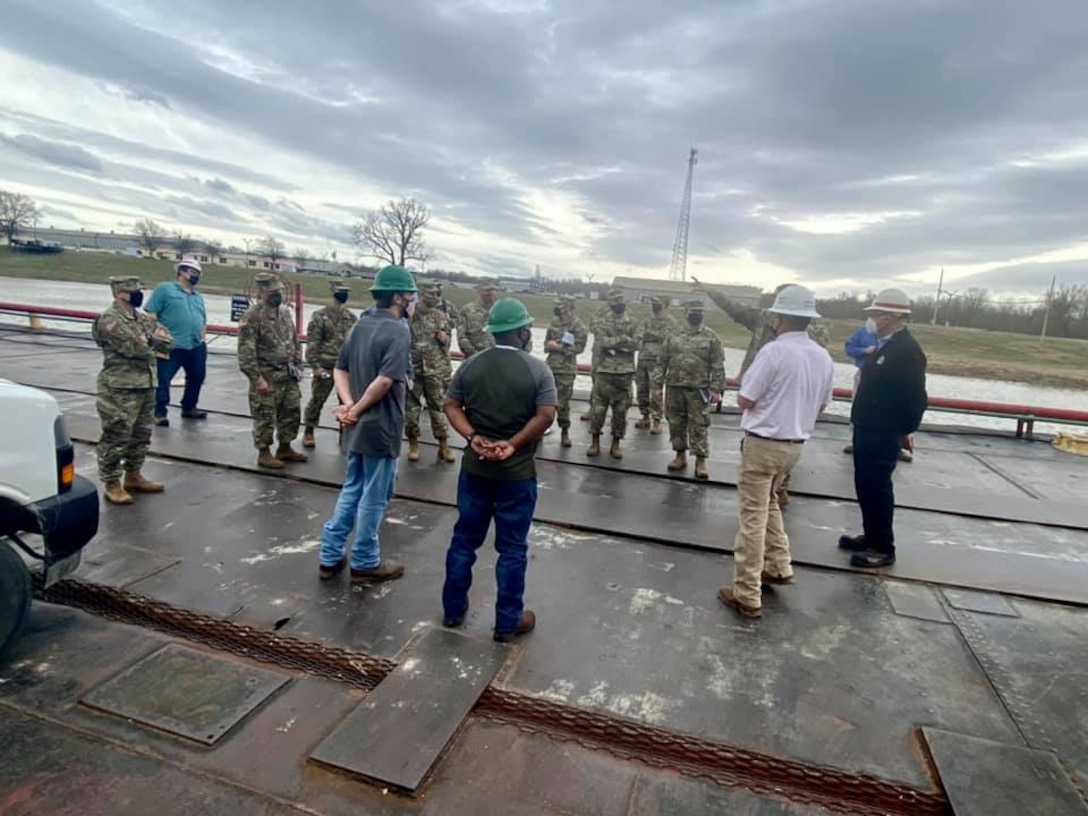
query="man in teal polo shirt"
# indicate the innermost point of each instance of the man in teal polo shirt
(180, 308)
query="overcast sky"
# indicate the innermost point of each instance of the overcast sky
(847, 144)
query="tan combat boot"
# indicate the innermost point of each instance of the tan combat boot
(564, 438)
(265, 459)
(413, 450)
(700, 468)
(615, 452)
(680, 462)
(594, 448)
(285, 453)
(655, 429)
(643, 423)
(444, 452)
(308, 438)
(587, 416)
(136, 483)
(115, 494)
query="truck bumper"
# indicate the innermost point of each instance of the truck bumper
(69, 520)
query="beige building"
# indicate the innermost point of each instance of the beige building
(640, 290)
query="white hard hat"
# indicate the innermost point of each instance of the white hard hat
(892, 301)
(795, 300)
(190, 263)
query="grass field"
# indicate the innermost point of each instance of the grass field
(960, 352)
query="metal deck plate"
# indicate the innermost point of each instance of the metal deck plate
(185, 692)
(915, 601)
(985, 602)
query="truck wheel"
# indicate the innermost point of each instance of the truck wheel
(15, 594)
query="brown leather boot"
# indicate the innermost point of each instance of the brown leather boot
(615, 451)
(587, 416)
(308, 438)
(265, 459)
(655, 429)
(700, 468)
(385, 571)
(564, 438)
(136, 483)
(413, 450)
(115, 494)
(680, 462)
(643, 423)
(594, 448)
(444, 452)
(285, 453)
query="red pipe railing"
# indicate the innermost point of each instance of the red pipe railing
(1025, 415)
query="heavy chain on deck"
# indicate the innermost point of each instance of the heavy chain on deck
(827, 788)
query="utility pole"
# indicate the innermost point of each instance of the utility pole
(1046, 314)
(678, 270)
(937, 302)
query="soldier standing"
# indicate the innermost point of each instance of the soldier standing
(692, 367)
(650, 394)
(268, 353)
(130, 342)
(593, 323)
(618, 337)
(447, 307)
(565, 340)
(324, 336)
(432, 332)
(472, 333)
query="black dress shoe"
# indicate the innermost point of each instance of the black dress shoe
(454, 621)
(870, 559)
(162, 422)
(853, 543)
(194, 414)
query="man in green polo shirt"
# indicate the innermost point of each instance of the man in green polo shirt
(180, 308)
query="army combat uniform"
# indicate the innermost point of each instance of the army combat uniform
(588, 415)
(618, 337)
(472, 334)
(650, 394)
(571, 335)
(692, 366)
(130, 342)
(268, 349)
(325, 335)
(431, 335)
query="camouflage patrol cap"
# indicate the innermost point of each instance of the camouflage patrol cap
(694, 306)
(338, 285)
(616, 296)
(267, 282)
(565, 302)
(488, 283)
(127, 283)
(661, 300)
(429, 288)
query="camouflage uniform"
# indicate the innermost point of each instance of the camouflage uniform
(472, 334)
(691, 365)
(617, 338)
(325, 335)
(126, 384)
(268, 348)
(564, 362)
(602, 312)
(430, 364)
(654, 332)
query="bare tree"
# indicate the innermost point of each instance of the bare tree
(183, 242)
(150, 235)
(213, 248)
(17, 212)
(272, 249)
(393, 234)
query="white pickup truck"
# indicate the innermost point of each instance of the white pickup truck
(41, 495)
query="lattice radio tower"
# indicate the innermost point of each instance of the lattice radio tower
(679, 269)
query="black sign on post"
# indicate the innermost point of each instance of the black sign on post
(238, 306)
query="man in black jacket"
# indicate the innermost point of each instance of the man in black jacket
(887, 409)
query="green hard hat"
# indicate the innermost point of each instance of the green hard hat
(393, 279)
(507, 315)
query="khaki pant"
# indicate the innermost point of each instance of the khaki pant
(761, 540)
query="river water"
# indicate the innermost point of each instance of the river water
(96, 297)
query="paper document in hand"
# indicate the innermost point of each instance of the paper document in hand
(568, 339)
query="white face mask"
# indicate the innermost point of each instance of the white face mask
(870, 326)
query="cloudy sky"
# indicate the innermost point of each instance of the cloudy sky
(843, 143)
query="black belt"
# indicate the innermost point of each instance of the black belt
(772, 439)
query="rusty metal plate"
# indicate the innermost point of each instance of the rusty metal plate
(186, 693)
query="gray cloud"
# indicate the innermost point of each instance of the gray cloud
(69, 156)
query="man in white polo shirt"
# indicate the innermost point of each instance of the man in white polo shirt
(783, 392)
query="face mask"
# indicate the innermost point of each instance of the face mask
(695, 318)
(558, 311)
(194, 280)
(431, 301)
(527, 341)
(619, 308)
(487, 298)
(340, 297)
(136, 299)
(275, 300)
(657, 308)
(870, 326)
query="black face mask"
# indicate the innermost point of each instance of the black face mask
(526, 340)
(695, 319)
(657, 308)
(136, 299)
(619, 308)
(558, 311)
(194, 280)
(340, 297)
(275, 300)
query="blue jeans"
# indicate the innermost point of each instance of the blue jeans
(195, 363)
(364, 496)
(511, 505)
